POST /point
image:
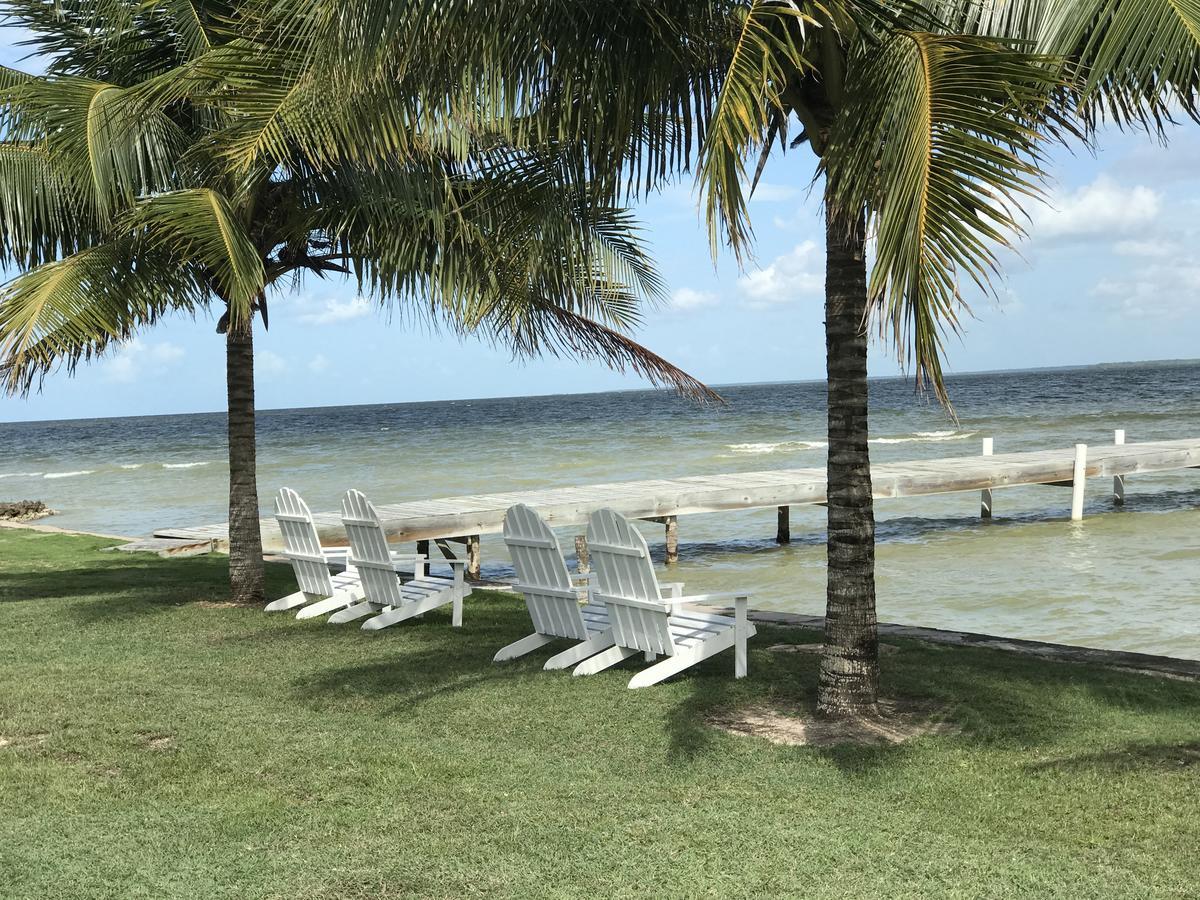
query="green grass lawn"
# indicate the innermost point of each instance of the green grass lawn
(160, 746)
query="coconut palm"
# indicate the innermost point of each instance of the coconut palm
(925, 118)
(140, 177)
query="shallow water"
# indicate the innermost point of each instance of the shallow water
(1128, 579)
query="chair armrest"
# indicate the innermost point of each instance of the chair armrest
(723, 597)
(670, 589)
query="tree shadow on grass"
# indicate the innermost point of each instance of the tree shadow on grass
(993, 698)
(133, 587)
(1177, 757)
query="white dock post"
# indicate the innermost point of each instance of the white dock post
(1078, 482)
(1119, 480)
(985, 496)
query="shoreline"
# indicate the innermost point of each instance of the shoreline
(1155, 665)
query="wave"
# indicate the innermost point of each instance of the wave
(131, 465)
(191, 465)
(68, 474)
(19, 474)
(777, 447)
(927, 437)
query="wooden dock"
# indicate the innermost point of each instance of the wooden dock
(464, 519)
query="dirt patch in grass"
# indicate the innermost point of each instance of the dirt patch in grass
(896, 723)
(33, 740)
(156, 741)
(220, 604)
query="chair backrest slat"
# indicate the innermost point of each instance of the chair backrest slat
(301, 544)
(542, 574)
(369, 550)
(627, 584)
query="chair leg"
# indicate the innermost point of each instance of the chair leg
(456, 609)
(391, 616)
(601, 640)
(340, 600)
(602, 661)
(291, 601)
(682, 659)
(352, 612)
(527, 644)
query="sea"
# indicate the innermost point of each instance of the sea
(1125, 578)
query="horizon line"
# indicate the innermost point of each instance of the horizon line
(641, 390)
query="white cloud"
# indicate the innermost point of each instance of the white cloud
(137, 359)
(689, 298)
(1163, 291)
(766, 192)
(333, 310)
(268, 363)
(795, 274)
(1149, 249)
(318, 364)
(1099, 209)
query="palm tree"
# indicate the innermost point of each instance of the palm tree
(151, 171)
(926, 119)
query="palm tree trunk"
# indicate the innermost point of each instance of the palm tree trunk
(245, 538)
(849, 681)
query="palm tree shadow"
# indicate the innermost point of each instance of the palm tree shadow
(1135, 755)
(136, 586)
(432, 659)
(987, 697)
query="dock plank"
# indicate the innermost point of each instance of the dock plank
(449, 517)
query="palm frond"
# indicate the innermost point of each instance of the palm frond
(939, 137)
(98, 134)
(199, 229)
(75, 308)
(767, 53)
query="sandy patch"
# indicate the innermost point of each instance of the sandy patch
(24, 741)
(157, 742)
(896, 723)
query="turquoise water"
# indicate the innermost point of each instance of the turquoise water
(1128, 579)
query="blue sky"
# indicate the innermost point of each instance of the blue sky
(1109, 273)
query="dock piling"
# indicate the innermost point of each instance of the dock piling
(474, 557)
(582, 557)
(985, 496)
(783, 529)
(1119, 480)
(672, 524)
(1078, 482)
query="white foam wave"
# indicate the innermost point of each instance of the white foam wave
(777, 447)
(191, 465)
(68, 474)
(927, 437)
(131, 465)
(19, 474)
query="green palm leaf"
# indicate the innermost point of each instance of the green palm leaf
(939, 135)
(198, 228)
(75, 308)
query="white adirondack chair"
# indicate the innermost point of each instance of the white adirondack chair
(311, 562)
(550, 594)
(383, 594)
(643, 620)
